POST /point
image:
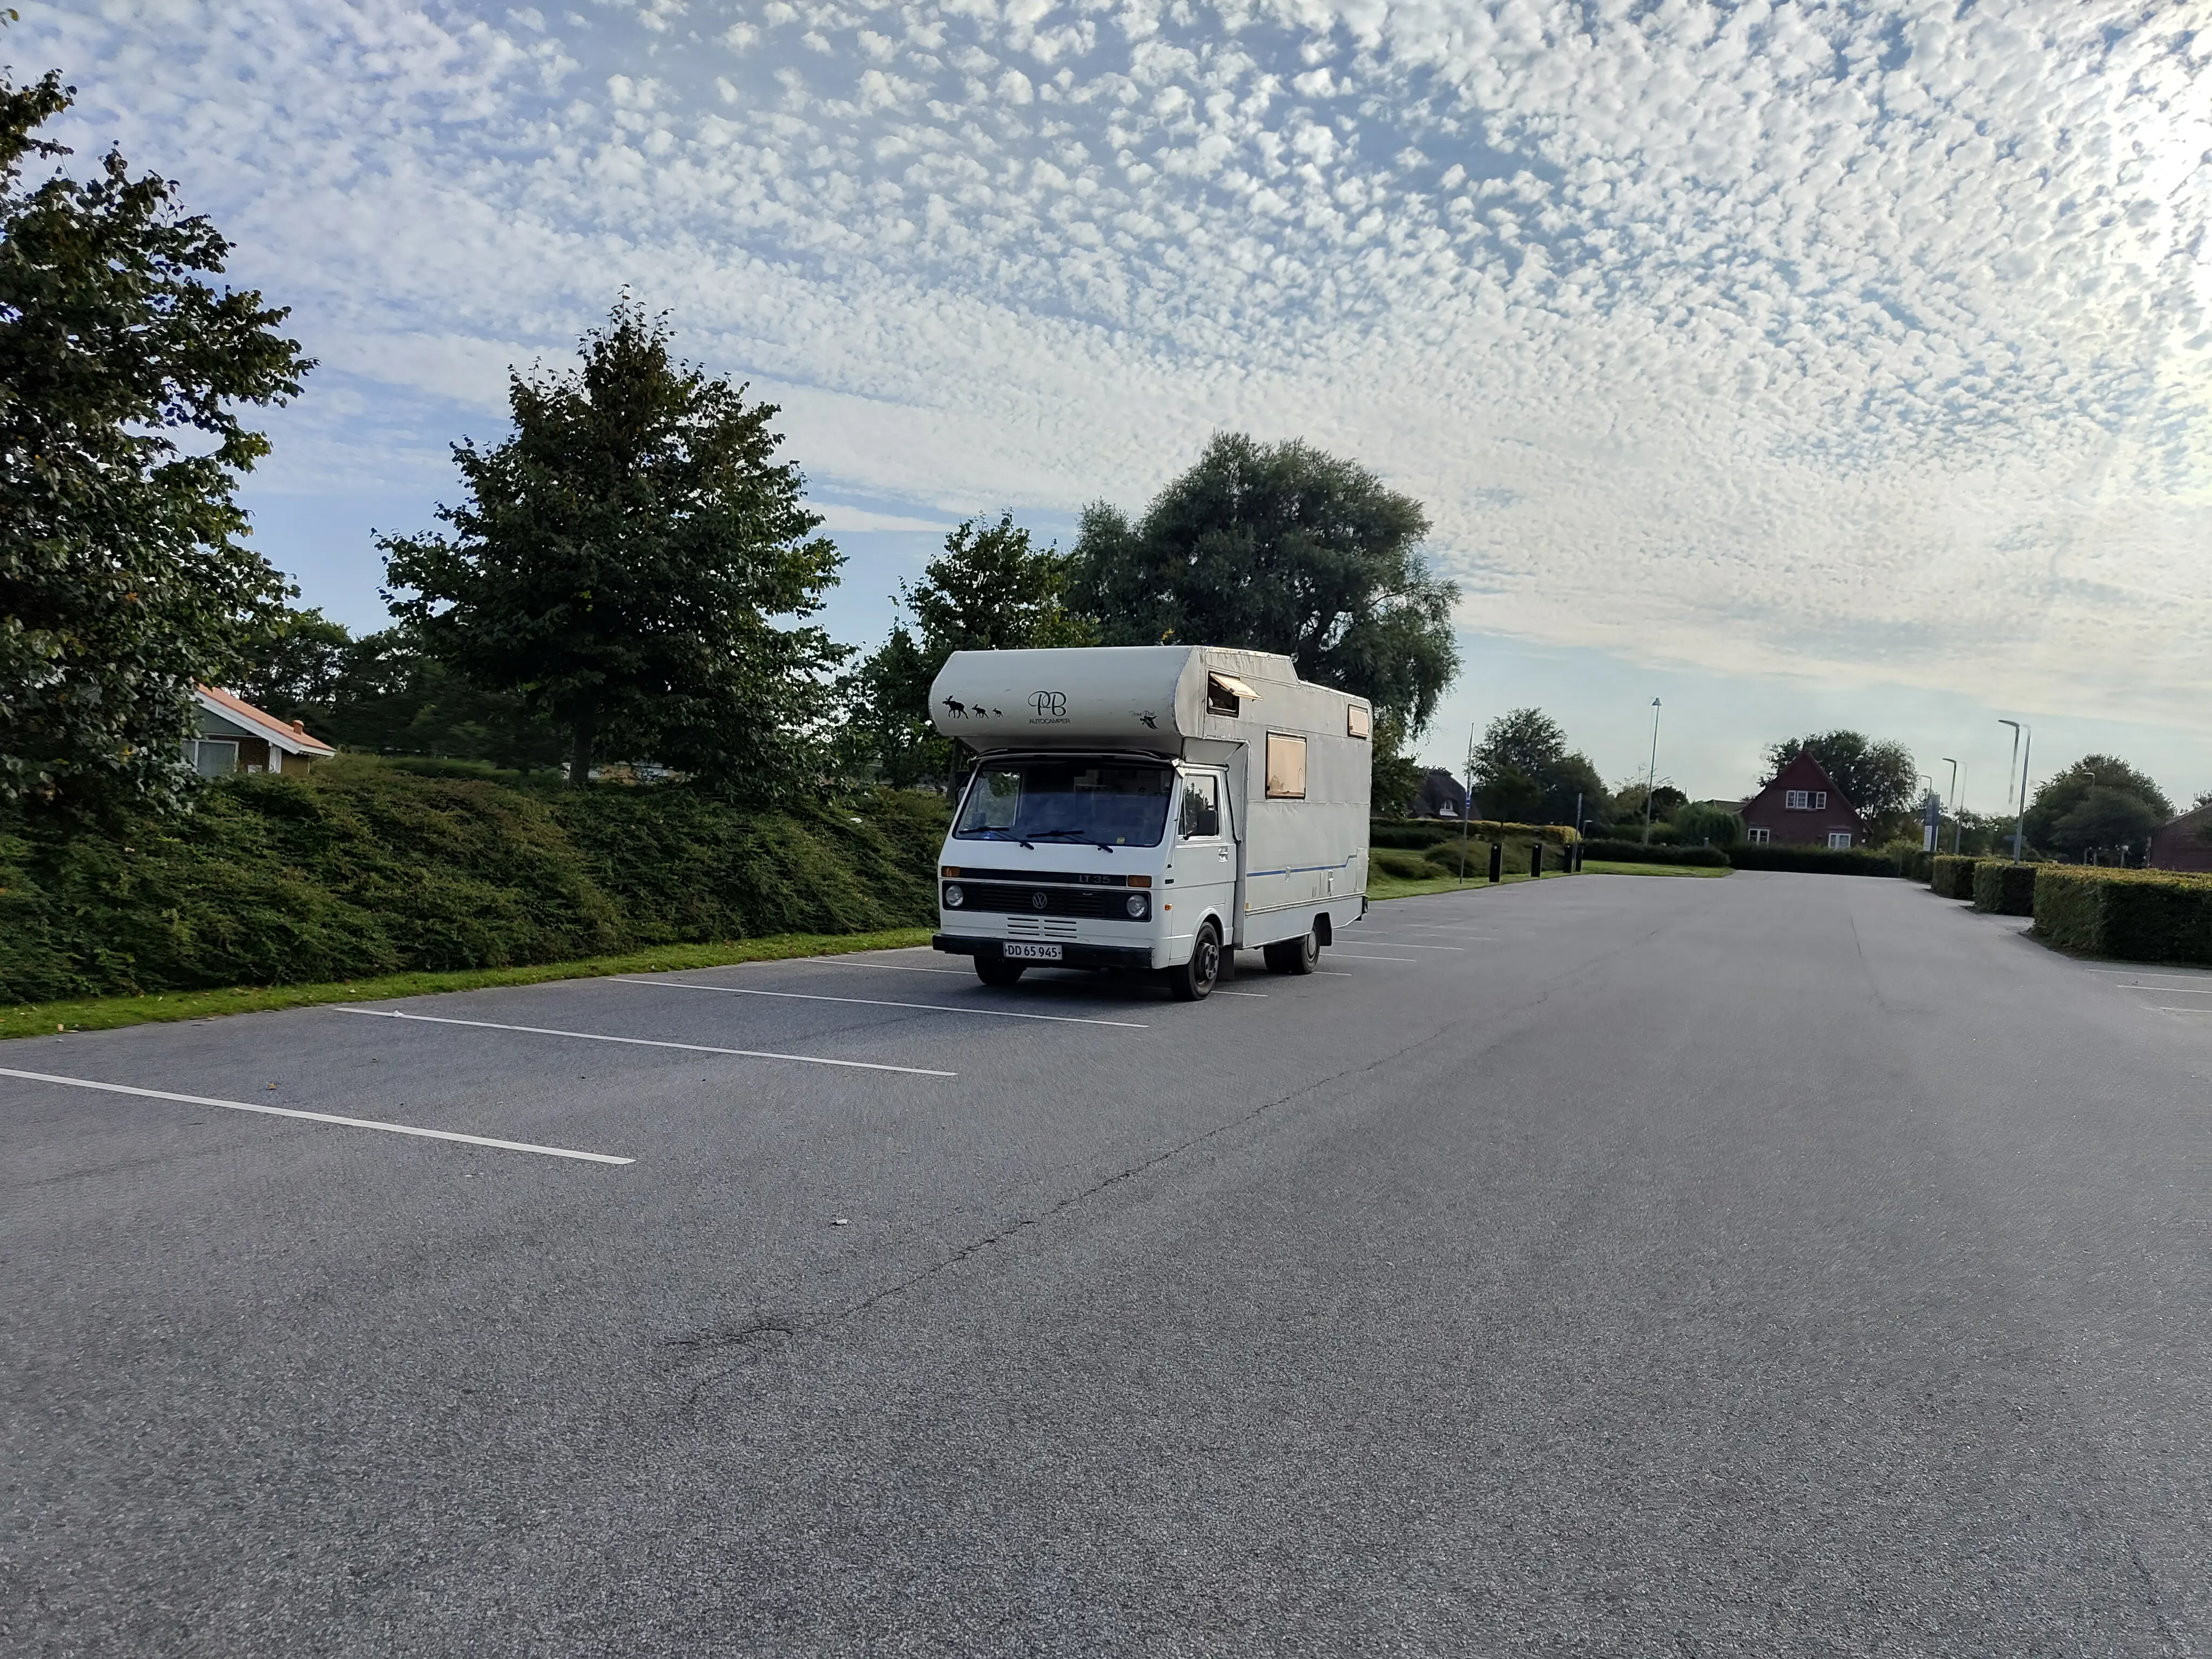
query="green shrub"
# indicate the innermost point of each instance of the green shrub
(2004, 889)
(362, 868)
(1817, 861)
(1429, 832)
(1913, 861)
(2142, 915)
(1403, 866)
(1631, 852)
(1952, 877)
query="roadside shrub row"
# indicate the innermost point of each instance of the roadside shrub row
(2004, 888)
(1951, 877)
(1413, 834)
(363, 869)
(1632, 852)
(2143, 915)
(1819, 860)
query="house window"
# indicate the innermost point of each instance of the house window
(1286, 767)
(1796, 800)
(211, 757)
(1756, 835)
(1820, 800)
(1839, 840)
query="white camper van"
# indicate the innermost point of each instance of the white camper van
(1149, 806)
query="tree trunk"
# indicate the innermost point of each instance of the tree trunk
(585, 728)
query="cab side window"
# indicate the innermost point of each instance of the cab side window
(1201, 807)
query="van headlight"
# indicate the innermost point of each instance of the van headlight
(954, 898)
(1138, 906)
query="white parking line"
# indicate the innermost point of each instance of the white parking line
(2180, 1011)
(2154, 973)
(2165, 990)
(1409, 944)
(1219, 992)
(902, 967)
(320, 1117)
(880, 1002)
(1354, 956)
(645, 1042)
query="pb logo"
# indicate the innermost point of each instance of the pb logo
(1048, 704)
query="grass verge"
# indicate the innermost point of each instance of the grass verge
(105, 1013)
(1381, 887)
(1612, 868)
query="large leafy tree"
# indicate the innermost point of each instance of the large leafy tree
(1877, 778)
(2098, 802)
(385, 694)
(992, 589)
(1524, 771)
(1280, 547)
(125, 575)
(618, 561)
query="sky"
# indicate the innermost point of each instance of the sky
(1798, 365)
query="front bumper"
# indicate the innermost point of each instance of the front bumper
(1072, 954)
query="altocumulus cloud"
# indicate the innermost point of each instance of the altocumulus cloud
(1837, 338)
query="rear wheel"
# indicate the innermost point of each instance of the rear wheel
(1195, 980)
(1294, 956)
(997, 970)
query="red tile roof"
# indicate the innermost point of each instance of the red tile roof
(290, 736)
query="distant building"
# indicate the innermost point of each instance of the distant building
(1440, 796)
(236, 736)
(1803, 807)
(2184, 843)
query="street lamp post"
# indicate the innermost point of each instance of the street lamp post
(1466, 806)
(2027, 756)
(1957, 822)
(1651, 777)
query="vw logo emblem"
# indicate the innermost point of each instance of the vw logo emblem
(1039, 900)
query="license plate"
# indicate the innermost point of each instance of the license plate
(1032, 953)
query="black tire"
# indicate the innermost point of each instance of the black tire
(997, 970)
(1195, 980)
(1294, 956)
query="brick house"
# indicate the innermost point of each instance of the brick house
(1803, 807)
(236, 736)
(2184, 843)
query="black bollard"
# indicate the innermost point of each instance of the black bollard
(1535, 858)
(1497, 861)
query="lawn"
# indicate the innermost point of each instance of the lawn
(1380, 886)
(105, 1013)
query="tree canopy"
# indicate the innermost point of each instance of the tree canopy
(990, 590)
(1524, 772)
(1280, 547)
(125, 576)
(1879, 779)
(617, 561)
(2098, 802)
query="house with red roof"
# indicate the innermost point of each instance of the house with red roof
(236, 736)
(1803, 807)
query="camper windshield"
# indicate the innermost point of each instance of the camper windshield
(1107, 803)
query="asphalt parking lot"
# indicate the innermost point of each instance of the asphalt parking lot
(1780, 1264)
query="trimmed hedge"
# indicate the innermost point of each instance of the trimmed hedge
(2143, 915)
(1917, 865)
(1413, 834)
(1814, 860)
(1952, 877)
(1402, 866)
(2004, 889)
(1631, 852)
(362, 869)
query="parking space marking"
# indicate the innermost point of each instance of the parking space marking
(2155, 973)
(321, 1117)
(2165, 990)
(901, 967)
(1219, 992)
(2160, 1008)
(1409, 944)
(881, 1002)
(1354, 956)
(644, 1042)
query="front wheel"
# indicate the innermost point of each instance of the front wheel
(997, 970)
(1295, 955)
(1195, 980)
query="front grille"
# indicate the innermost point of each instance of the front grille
(1041, 927)
(1010, 899)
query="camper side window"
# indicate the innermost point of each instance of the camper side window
(1286, 767)
(1201, 807)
